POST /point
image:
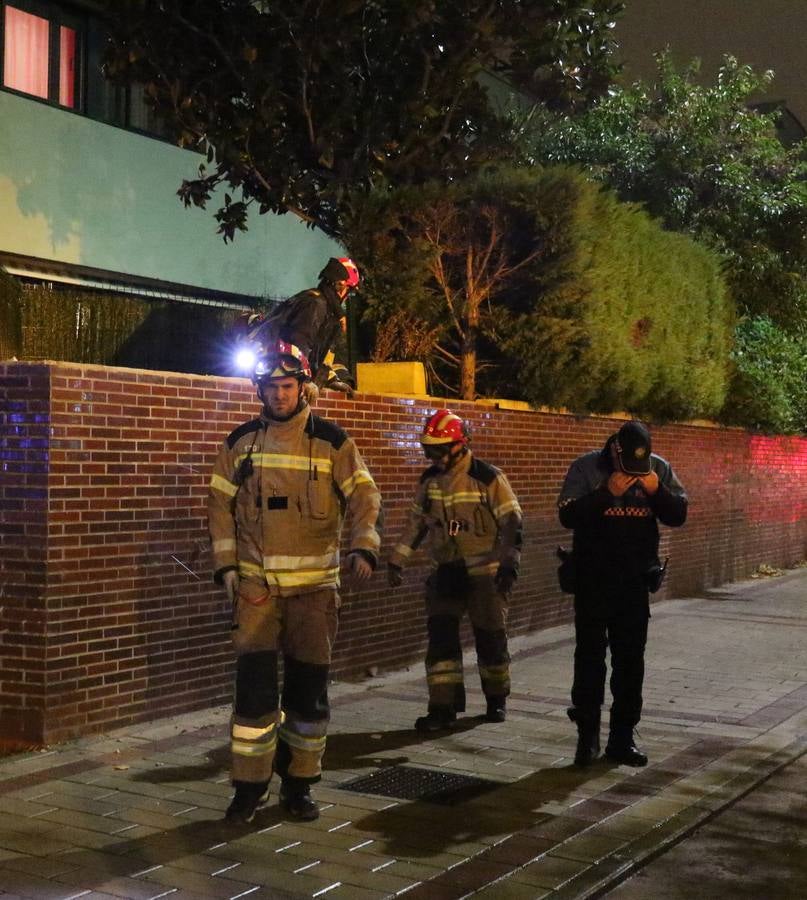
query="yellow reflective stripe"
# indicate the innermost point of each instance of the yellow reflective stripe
(435, 493)
(291, 563)
(247, 733)
(483, 568)
(448, 678)
(403, 550)
(303, 579)
(497, 673)
(284, 461)
(222, 484)
(309, 745)
(446, 665)
(263, 749)
(509, 506)
(245, 569)
(223, 544)
(416, 508)
(360, 476)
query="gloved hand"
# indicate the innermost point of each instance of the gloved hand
(340, 386)
(649, 483)
(619, 482)
(505, 579)
(394, 575)
(230, 580)
(358, 567)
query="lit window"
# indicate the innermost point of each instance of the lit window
(67, 66)
(40, 45)
(26, 56)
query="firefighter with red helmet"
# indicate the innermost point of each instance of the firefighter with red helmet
(312, 320)
(281, 485)
(467, 512)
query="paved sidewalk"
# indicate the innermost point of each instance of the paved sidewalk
(137, 813)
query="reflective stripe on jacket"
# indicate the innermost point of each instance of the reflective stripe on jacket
(468, 513)
(277, 498)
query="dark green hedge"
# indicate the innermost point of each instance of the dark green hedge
(111, 329)
(626, 315)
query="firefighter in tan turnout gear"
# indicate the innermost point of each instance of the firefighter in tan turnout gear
(471, 518)
(280, 486)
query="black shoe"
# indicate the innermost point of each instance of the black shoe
(621, 749)
(588, 735)
(299, 803)
(438, 718)
(496, 711)
(249, 797)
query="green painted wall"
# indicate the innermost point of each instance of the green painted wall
(78, 191)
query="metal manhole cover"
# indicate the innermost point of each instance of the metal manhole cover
(411, 783)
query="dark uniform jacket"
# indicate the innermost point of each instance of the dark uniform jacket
(311, 320)
(616, 539)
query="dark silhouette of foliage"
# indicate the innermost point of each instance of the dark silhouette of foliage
(300, 103)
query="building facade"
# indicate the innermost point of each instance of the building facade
(88, 187)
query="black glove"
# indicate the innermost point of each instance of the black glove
(394, 575)
(505, 579)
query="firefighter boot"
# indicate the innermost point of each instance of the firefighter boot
(438, 718)
(297, 801)
(496, 711)
(248, 798)
(588, 734)
(620, 747)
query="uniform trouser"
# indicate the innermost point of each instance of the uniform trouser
(269, 732)
(624, 630)
(446, 602)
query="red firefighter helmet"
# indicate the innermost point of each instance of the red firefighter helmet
(352, 271)
(281, 360)
(445, 427)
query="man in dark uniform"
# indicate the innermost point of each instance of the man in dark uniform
(613, 499)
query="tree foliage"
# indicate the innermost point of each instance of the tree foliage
(580, 300)
(706, 163)
(769, 383)
(441, 261)
(298, 103)
(625, 315)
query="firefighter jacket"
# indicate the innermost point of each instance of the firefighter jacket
(277, 498)
(311, 320)
(616, 539)
(468, 514)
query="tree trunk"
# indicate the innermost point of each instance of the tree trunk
(468, 358)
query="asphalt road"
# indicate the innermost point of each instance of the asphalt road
(755, 849)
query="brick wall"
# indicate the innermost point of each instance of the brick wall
(106, 603)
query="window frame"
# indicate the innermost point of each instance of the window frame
(57, 17)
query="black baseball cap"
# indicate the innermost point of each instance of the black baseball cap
(633, 448)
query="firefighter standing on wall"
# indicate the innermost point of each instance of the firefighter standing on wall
(279, 488)
(471, 517)
(312, 321)
(613, 499)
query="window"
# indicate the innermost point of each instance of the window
(41, 50)
(53, 51)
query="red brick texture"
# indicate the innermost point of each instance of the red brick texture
(107, 608)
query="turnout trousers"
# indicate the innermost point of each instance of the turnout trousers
(622, 627)
(449, 594)
(269, 730)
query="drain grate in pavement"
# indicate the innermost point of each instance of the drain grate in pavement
(411, 783)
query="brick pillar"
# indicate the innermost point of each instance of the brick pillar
(24, 439)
